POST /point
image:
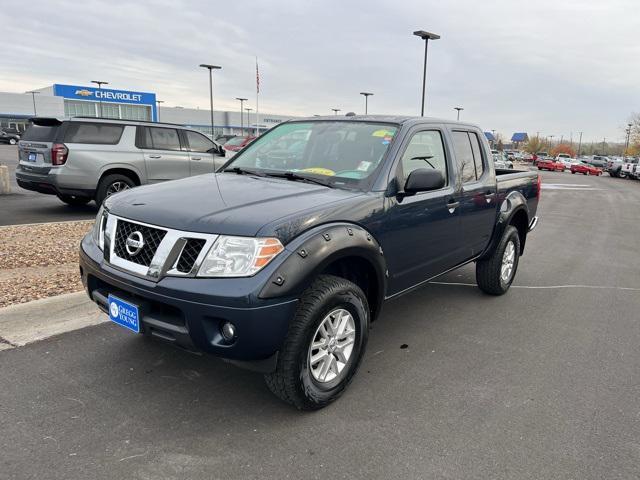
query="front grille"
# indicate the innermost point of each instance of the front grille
(189, 254)
(151, 237)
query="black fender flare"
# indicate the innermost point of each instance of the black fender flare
(310, 253)
(512, 203)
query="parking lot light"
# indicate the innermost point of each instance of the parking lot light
(33, 97)
(248, 110)
(335, 111)
(211, 68)
(426, 36)
(366, 98)
(459, 109)
(158, 102)
(242, 100)
(100, 83)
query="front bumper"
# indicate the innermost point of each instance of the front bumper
(189, 312)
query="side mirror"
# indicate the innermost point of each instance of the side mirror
(423, 180)
(217, 150)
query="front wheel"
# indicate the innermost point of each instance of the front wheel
(496, 273)
(12, 141)
(324, 345)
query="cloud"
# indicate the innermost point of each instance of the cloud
(548, 66)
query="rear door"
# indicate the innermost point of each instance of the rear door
(201, 157)
(477, 186)
(165, 157)
(34, 148)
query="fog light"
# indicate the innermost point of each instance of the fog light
(228, 331)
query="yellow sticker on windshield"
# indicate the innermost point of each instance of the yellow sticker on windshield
(320, 171)
(382, 133)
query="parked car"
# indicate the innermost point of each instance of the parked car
(10, 137)
(585, 169)
(599, 161)
(84, 159)
(238, 143)
(629, 169)
(565, 159)
(539, 156)
(283, 265)
(614, 166)
(501, 160)
(551, 165)
(222, 139)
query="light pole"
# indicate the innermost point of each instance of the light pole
(458, 109)
(579, 143)
(248, 110)
(158, 102)
(626, 147)
(242, 100)
(366, 98)
(33, 97)
(100, 83)
(426, 36)
(211, 68)
(551, 141)
(335, 111)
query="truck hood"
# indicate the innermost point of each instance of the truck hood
(232, 205)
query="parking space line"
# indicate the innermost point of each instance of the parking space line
(546, 287)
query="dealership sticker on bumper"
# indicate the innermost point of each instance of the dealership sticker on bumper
(124, 313)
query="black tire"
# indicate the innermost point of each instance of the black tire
(107, 182)
(573, 172)
(293, 381)
(488, 270)
(74, 201)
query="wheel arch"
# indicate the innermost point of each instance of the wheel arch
(513, 210)
(344, 250)
(127, 171)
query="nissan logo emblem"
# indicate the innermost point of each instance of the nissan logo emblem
(134, 243)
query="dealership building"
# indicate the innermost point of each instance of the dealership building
(66, 101)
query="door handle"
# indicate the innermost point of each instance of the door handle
(155, 156)
(452, 205)
(196, 158)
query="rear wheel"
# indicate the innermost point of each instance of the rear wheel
(12, 141)
(74, 201)
(112, 184)
(324, 345)
(496, 273)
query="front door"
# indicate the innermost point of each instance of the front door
(419, 231)
(165, 157)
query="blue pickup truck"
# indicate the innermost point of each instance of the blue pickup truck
(281, 261)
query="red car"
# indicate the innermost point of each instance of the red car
(585, 169)
(238, 143)
(550, 164)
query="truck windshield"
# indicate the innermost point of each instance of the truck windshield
(337, 152)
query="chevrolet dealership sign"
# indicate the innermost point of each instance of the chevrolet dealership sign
(76, 92)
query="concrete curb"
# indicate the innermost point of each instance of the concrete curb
(5, 185)
(33, 321)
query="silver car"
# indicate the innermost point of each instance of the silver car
(84, 159)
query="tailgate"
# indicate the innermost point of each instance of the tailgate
(34, 148)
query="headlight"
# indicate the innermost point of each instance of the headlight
(98, 228)
(239, 256)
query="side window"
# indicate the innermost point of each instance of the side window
(425, 150)
(162, 138)
(198, 142)
(464, 156)
(96, 133)
(477, 154)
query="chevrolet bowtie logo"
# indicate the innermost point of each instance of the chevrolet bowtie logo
(84, 92)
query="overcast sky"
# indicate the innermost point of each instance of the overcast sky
(556, 66)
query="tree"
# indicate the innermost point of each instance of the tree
(563, 148)
(533, 145)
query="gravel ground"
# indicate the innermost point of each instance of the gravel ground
(38, 261)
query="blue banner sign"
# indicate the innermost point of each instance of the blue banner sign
(77, 92)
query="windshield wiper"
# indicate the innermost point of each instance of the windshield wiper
(300, 178)
(244, 171)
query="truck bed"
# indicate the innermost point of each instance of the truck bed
(524, 181)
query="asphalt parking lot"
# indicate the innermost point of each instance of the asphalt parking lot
(23, 206)
(542, 383)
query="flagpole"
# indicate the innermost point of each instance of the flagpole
(257, 96)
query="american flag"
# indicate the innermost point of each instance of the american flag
(257, 77)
